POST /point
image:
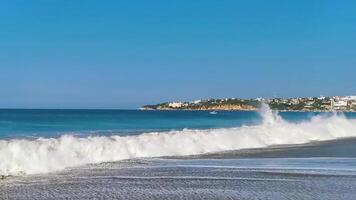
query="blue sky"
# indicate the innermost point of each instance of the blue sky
(122, 54)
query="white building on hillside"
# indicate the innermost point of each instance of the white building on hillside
(197, 101)
(338, 104)
(348, 98)
(175, 104)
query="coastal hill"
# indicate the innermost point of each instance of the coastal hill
(320, 104)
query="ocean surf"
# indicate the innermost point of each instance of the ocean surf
(44, 155)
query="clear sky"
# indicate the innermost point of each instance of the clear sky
(122, 54)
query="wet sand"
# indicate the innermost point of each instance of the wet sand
(276, 173)
(193, 179)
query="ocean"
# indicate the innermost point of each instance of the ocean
(132, 154)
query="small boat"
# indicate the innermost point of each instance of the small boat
(213, 112)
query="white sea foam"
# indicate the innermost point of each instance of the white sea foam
(47, 155)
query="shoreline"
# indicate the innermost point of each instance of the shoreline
(248, 110)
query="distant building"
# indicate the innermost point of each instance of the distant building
(321, 98)
(259, 99)
(352, 105)
(294, 101)
(197, 101)
(338, 104)
(309, 103)
(348, 98)
(175, 104)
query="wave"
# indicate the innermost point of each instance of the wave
(43, 155)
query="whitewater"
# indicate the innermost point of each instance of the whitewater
(44, 155)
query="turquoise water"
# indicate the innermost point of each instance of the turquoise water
(53, 123)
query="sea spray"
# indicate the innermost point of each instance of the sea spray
(23, 156)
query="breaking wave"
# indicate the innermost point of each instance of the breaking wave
(23, 156)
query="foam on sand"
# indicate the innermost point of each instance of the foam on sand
(23, 156)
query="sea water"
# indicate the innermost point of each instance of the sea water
(131, 154)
